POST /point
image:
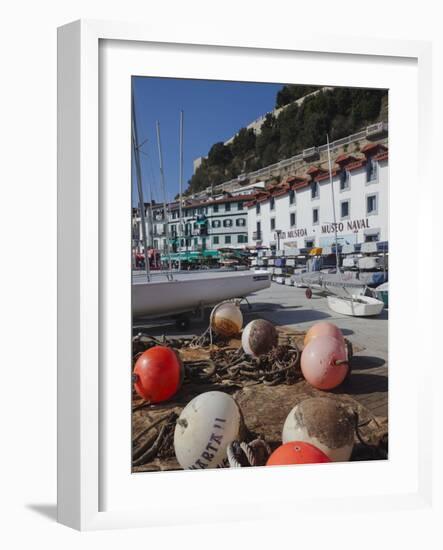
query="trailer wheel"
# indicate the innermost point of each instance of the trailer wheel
(308, 293)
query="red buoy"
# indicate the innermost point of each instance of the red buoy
(297, 452)
(158, 374)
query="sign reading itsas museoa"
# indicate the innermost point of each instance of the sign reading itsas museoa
(350, 225)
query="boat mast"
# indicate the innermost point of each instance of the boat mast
(162, 178)
(180, 212)
(138, 172)
(333, 205)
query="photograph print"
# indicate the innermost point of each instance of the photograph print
(259, 251)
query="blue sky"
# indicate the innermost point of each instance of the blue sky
(213, 111)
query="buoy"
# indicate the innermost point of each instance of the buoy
(226, 319)
(158, 374)
(324, 362)
(296, 452)
(205, 428)
(323, 328)
(259, 337)
(324, 423)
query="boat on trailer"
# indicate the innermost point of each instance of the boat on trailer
(187, 291)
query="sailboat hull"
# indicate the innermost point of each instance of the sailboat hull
(189, 291)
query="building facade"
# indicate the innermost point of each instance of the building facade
(299, 212)
(292, 207)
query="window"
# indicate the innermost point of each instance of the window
(257, 208)
(309, 243)
(371, 238)
(314, 190)
(371, 204)
(240, 206)
(315, 215)
(272, 224)
(371, 170)
(216, 223)
(227, 239)
(195, 242)
(344, 180)
(228, 206)
(215, 240)
(292, 196)
(215, 208)
(242, 239)
(227, 223)
(344, 209)
(292, 219)
(258, 228)
(272, 203)
(240, 222)
(182, 243)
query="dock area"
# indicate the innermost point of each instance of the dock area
(265, 407)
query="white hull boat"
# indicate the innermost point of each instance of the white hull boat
(356, 305)
(189, 291)
(342, 284)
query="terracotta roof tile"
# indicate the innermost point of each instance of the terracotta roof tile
(373, 147)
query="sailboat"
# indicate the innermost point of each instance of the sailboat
(170, 292)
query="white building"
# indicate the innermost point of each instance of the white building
(298, 212)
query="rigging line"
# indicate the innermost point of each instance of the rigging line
(165, 206)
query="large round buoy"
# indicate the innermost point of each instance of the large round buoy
(323, 328)
(158, 374)
(324, 362)
(226, 319)
(259, 337)
(204, 429)
(323, 422)
(296, 452)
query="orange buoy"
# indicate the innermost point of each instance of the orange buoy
(297, 452)
(323, 328)
(324, 362)
(158, 374)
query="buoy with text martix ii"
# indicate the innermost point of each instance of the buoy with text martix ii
(158, 374)
(205, 428)
(323, 422)
(296, 452)
(259, 337)
(324, 362)
(226, 319)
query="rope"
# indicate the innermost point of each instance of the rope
(243, 454)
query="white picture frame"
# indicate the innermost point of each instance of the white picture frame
(83, 295)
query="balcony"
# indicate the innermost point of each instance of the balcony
(257, 236)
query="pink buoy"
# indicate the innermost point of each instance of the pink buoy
(323, 328)
(324, 362)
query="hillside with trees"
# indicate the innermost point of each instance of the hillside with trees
(337, 112)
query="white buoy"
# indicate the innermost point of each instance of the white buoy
(227, 319)
(259, 337)
(205, 428)
(323, 422)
